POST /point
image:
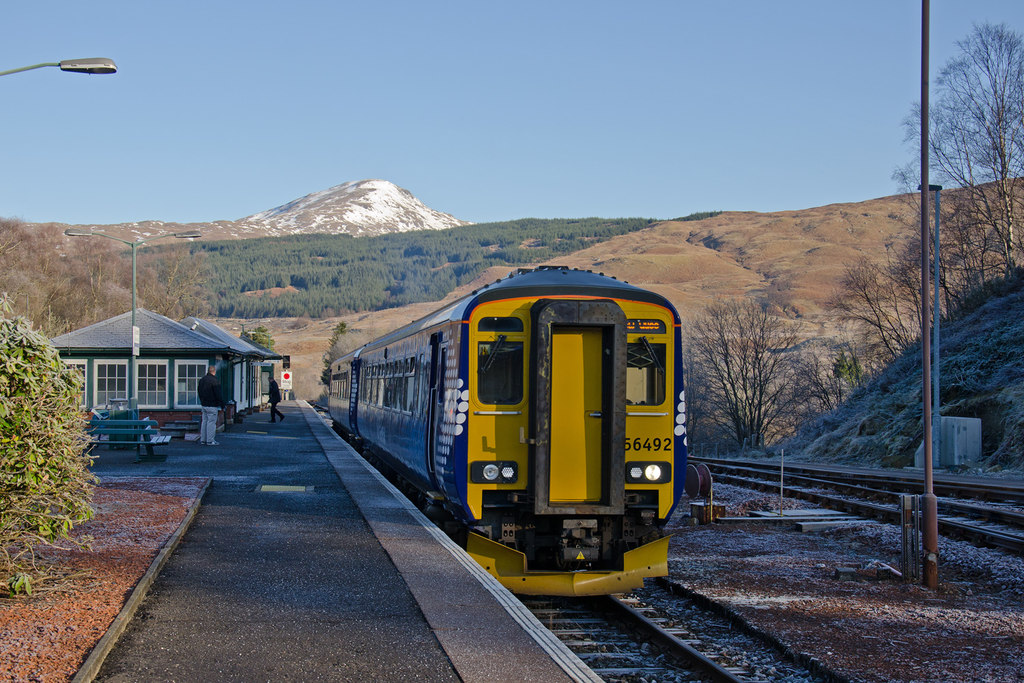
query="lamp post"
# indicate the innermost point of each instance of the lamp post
(929, 503)
(71, 232)
(91, 65)
(936, 316)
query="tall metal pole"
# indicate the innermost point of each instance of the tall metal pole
(936, 319)
(133, 401)
(929, 502)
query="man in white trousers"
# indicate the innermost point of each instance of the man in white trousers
(211, 401)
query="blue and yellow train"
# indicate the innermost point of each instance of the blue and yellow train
(545, 413)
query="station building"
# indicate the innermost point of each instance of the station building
(172, 357)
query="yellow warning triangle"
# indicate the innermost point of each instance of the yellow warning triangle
(580, 556)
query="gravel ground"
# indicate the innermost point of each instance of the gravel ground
(48, 636)
(781, 581)
(784, 583)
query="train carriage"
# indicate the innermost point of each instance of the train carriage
(544, 412)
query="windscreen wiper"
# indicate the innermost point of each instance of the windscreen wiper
(494, 353)
(654, 356)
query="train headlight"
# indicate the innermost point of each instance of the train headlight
(648, 472)
(652, 473)
(500, 472)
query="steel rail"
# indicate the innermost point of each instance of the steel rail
(907, 482)
(1013, 518)
(670, 642)
(988, 537)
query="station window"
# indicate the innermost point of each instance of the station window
(152, 384)
(79, 365)
(188, 375)
(111, 382)
(500, 371)
(645, 373)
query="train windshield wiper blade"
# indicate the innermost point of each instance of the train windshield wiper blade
(654, 356)
(494, 353)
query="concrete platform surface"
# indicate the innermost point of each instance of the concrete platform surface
(304, 564)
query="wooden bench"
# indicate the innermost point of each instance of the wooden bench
(127, 433)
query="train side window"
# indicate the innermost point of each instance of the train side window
(494, 324)
(645, 373)
(423, 384)
(500, 371)
(410, 385)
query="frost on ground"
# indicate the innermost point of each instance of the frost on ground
(784, 582)
(48, 636)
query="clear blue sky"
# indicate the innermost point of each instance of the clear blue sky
(485, 110)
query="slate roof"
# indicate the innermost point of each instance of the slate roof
(242, 346)
(156, 332)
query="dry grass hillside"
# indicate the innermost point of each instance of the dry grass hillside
(793, 258)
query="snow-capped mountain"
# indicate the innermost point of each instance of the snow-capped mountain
(366, 207)
(361, 208)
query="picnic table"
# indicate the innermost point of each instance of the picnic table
(117, 433)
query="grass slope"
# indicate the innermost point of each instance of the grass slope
(981, 376)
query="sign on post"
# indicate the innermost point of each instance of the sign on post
(286, 380)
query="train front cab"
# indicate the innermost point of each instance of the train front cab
(584, 412)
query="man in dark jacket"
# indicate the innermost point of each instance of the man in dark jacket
(211, 401)
(275, 397)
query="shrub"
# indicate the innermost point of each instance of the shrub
(45, 484)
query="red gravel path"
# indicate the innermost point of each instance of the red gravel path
(48, 636)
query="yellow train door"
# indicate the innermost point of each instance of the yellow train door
(576, 415)
(578, 406)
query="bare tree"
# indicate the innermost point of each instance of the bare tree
(172, 282)
(827, 372)
(976, 143)
(882, 301)
(978, 121)
(739, 353)
(971, 253)
(62, 284)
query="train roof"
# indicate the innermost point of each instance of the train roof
(542, 281)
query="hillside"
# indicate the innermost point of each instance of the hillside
(793, 257)
(318, 275)
(981, 376)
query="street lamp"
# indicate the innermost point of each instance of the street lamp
(192, 234)
(929, 503)
(91, 65)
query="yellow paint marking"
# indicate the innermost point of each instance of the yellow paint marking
(280, 488)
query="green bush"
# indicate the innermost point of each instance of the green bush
(45, 484)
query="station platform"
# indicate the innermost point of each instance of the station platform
(303, 563)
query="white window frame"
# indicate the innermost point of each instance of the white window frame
(96, 365)
(84, 364)
(179, 364)
(138, 376)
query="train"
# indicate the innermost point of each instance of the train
(540, 418)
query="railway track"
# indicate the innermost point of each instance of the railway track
(985, 513)
(657, 634)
